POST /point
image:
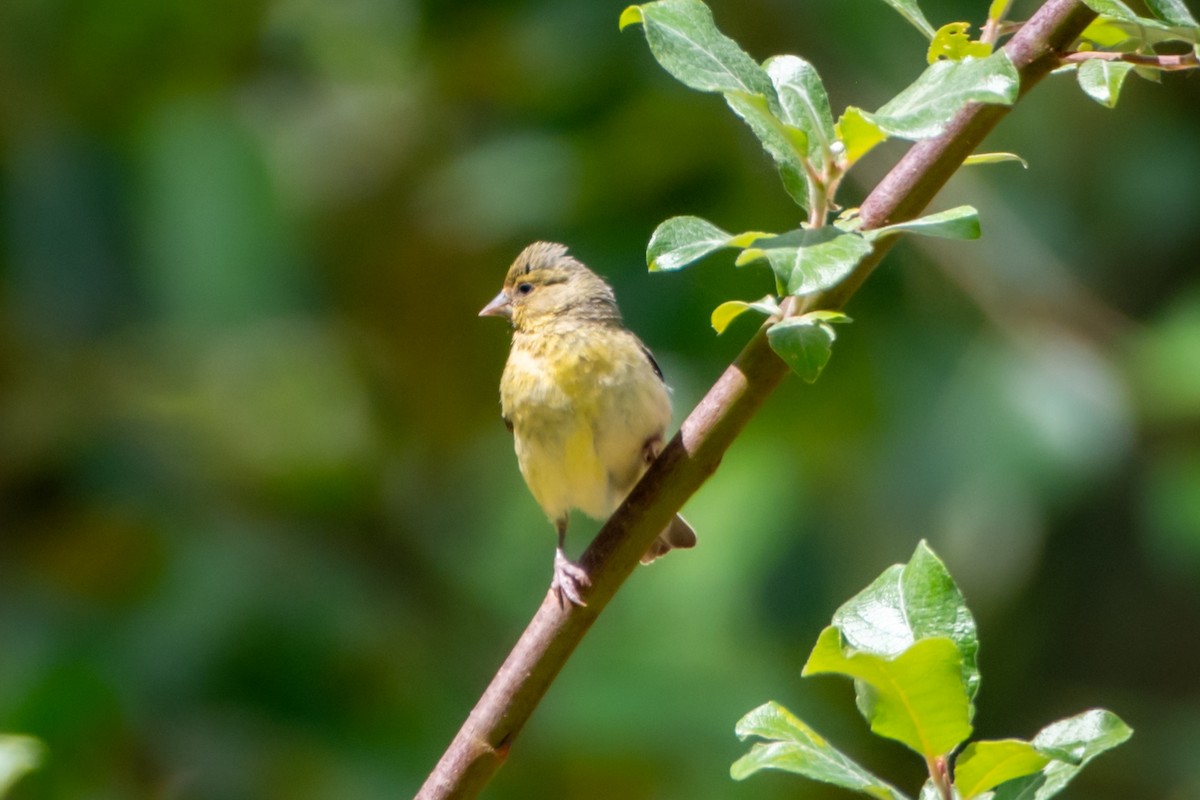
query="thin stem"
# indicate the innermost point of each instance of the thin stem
(483, 742)
(939, 773)
(1168, 63)
(993, 27)
(818, 195)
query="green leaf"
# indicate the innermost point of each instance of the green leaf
(998, 9)
(960, 222)
(1179, 25)
(679, 241)
(953, 42)
(810, 259)
(787, 145)
(924, 108)
(1104, 32)
(1070, 743)
(1118, 10)
(987, 764)
(1173, 12)
(804, 102)
(792, 746)
(917, 698)
(684, 39)
(805, 342)
(18, 755)
(857, 133)
(906, 604)
(730, 310)
(912, 12)
(993, 158)
(1101, 80)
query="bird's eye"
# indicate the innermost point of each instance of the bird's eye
(524, 288)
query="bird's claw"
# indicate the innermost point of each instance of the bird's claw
(570, 580)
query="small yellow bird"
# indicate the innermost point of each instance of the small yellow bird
(583, 397)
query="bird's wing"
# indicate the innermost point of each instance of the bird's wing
(653, 363)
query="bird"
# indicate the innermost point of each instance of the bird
(584, 399)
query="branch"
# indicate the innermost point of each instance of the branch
(1163, 63)
(482, 744)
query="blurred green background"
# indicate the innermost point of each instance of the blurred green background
(262, 533)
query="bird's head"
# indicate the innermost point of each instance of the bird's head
(545, 284)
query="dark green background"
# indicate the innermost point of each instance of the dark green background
(262, 533)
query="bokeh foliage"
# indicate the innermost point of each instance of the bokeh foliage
(261, 531)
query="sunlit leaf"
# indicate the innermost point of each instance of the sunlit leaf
(984, 765)
(960, 222)
(1104, 32)
(994, 158)
(792, 746)
(787, 145)
(916, 698)
(922, 110)
(804, 102)
(912, 12)
(857, 133)
(805, 342)
(1118, 10)
(954, 43)
(1070, 743)
(908, 603)
(998, 9)
(730, 310)
(18, 755)
(685, 41)
(1173, 12)
(811, 259)
(680, 241)
(1101, 79)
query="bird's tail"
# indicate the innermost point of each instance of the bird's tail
(678, 533)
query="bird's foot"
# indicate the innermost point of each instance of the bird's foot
(570, 580)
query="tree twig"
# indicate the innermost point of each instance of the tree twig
(482, 744)
(1166, 63)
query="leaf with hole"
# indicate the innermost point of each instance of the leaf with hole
(952, 41)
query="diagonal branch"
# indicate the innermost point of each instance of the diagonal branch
(482, 743)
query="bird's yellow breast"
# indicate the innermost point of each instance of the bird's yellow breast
(582, 403)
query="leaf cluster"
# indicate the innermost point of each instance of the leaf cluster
(909, 643)
(1133, 41)
(784, 103)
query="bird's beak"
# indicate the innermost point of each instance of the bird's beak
(500, 306)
